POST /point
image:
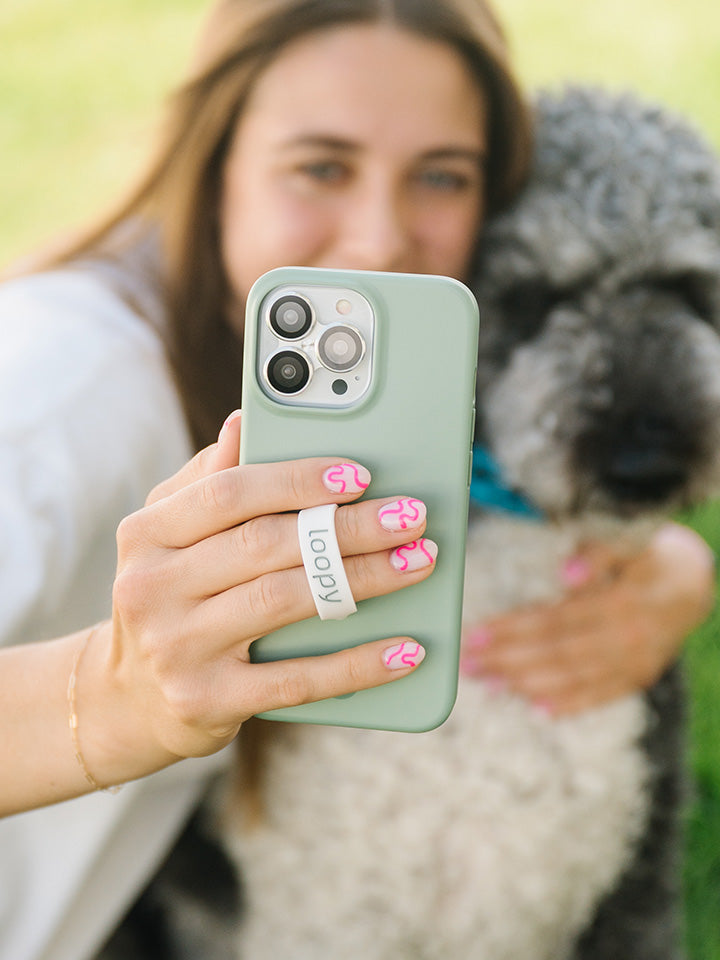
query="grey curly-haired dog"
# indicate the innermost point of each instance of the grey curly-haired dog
(506, 834)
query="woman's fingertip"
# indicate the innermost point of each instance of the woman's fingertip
(414, 556)
(479, 638)
(230, 419)
(495, 685)
(400, 656)
(346, 478)
(403, 514)
(543, 709)
(468, 667)
(575, 572)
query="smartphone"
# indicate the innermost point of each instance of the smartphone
(379, 368)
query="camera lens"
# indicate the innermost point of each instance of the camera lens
(340, 348)
(290, 317)
(288, 372)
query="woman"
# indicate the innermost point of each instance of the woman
(360, 134)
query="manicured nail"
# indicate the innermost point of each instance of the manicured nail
(346, 478)
(575, 572)
(479, 638)
(402, 655)
(401, 514)
(235, 415)
(543, 709)
(414, 556)
(468, 667)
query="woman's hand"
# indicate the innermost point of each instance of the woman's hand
(210, 564)
(620, 625)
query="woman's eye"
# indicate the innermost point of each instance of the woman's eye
(446, 180)
(324, 171)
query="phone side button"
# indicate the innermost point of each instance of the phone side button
(472, 439)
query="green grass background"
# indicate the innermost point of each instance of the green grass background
(82, 83)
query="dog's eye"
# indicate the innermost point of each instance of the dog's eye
(692, 289)
(526, 305)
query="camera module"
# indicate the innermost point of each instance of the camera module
(315, 343)
(340, 348)
(288, 372)
(291, 317)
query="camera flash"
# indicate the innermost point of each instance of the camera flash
(343, 307)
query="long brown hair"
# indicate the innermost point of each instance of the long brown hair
(180, 193)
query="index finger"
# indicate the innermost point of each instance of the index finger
(218, 456)
(230, 497)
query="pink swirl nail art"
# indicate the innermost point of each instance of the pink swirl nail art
(414, 556)
(346, 478)
(402, 514)
(406, 654)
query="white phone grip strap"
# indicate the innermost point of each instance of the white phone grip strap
(323, 563)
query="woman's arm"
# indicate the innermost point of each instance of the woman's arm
(621, 624)
(208, 565)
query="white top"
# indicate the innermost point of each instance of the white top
(89, 422)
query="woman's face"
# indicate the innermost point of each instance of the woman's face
(360, 147)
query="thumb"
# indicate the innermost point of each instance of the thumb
(221, 455)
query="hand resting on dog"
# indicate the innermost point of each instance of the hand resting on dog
(621, 623)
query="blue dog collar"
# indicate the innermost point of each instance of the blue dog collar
(489, 491)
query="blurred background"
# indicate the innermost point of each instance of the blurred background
(81, 87)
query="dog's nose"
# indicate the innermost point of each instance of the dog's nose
(643, 474)
(639, 458)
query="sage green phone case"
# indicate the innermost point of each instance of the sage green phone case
(412, 429)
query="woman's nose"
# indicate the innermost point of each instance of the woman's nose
(375, 234)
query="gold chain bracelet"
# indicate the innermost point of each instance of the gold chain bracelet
(73, 717)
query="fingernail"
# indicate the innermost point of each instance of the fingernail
(468, 667)
(575, 572)
(346, 478)
(235, 415)
(414, 556)
(401, 514)
(479, 638)
(402, 655)
(543, 709)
